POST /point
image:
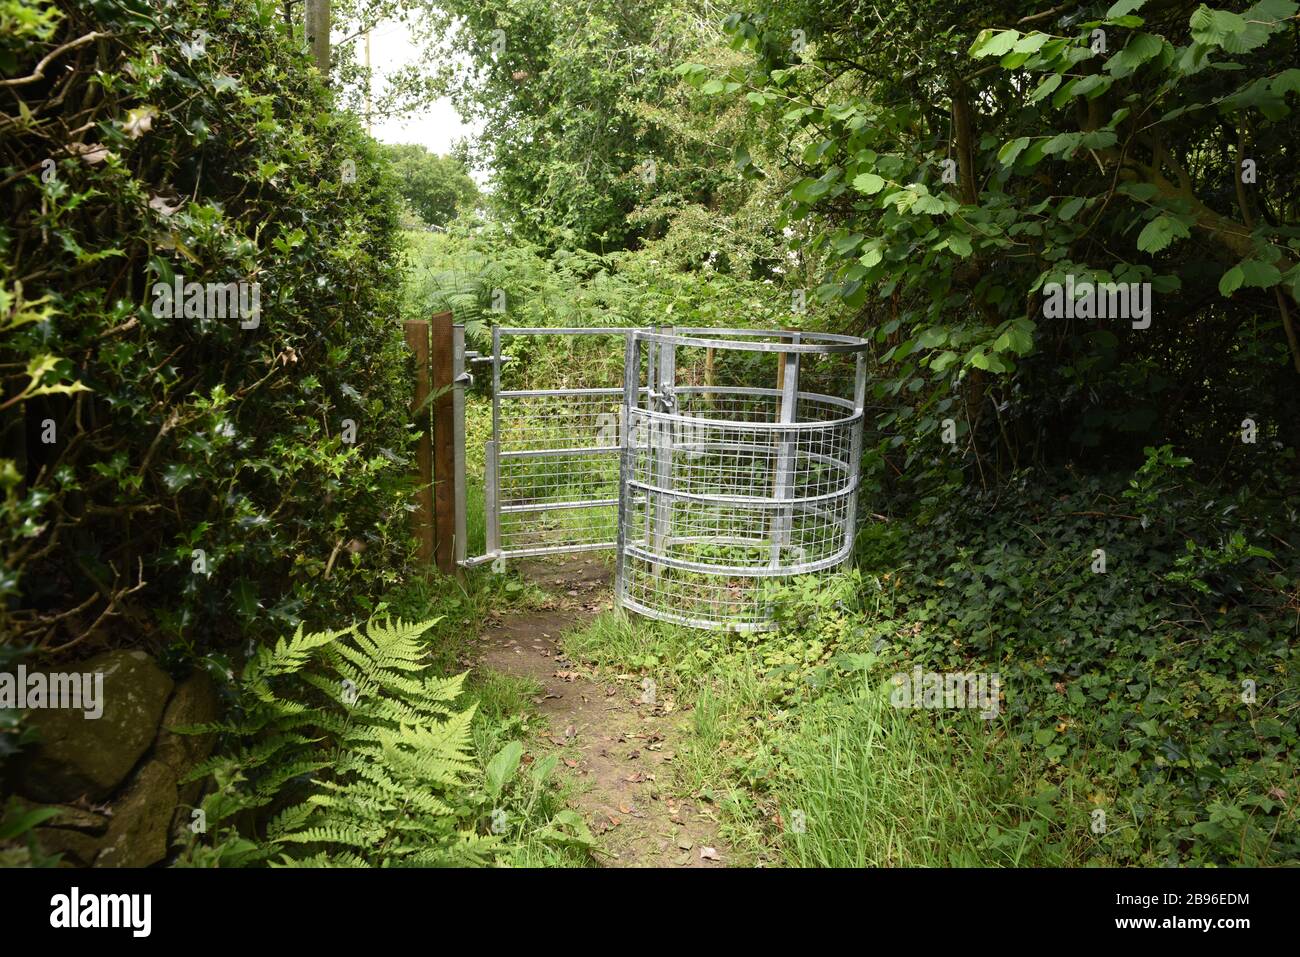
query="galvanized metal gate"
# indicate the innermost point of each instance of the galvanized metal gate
(551, 482)
(711, 489)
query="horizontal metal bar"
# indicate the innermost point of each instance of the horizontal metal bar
(533, 393)
(717, 498)
(706, 624)
(553, 550)
(739, 571)
(775, 428)
(791, 335)
(550, 506)
(831, 344)
(730, 390)
(542, 453)
(566, 330)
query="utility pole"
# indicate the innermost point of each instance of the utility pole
(368, 129)
(317, 24)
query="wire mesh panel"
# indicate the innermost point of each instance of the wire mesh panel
(729, 487)
(553, 464)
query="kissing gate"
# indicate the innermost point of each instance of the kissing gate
(725, 462)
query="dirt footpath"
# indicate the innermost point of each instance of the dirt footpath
(617, 739)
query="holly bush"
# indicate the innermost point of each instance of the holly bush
(186, 482)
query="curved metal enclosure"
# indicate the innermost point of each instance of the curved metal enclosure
(739, 469)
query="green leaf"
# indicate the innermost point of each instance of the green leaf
(942, 361)
(1007, 155)
(1258, 274)
(1160, 232)
(993, 43)
(18, 822)
(1091, 86)
(1070, 207)
(868, 183)
(1140, 48)
(845, 245)
(808, 191)
(1031, 43)
(502, 767)
(1231, 281)
(1288, 81)
(928, 203)
(1049, 84)
(245, 598)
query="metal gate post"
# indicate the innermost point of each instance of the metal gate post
(460, 379)
(784, 517)
(631, 393)
(492, 466)
(855, 445)
(665, 377)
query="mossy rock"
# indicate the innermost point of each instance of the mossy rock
(76, 756)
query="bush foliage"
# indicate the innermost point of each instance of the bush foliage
(183, 481)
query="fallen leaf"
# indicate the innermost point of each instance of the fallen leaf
(91, 153)
(167, 203)
(139, 121)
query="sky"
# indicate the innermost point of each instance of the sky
(440, 126)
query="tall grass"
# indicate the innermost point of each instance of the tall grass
(839, 777)
(870, 785)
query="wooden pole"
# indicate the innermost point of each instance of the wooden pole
(417, 337)
(316, 22)
(444, 437)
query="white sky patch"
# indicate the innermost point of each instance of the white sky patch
(437, 127)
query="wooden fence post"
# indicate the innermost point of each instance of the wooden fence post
(444, 436)
(417, 337)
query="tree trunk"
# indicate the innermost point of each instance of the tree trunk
(318, 33)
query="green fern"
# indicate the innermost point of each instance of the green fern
(348, 752)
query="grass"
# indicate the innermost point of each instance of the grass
(832, 777)
(869, 785)
(505, 714)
